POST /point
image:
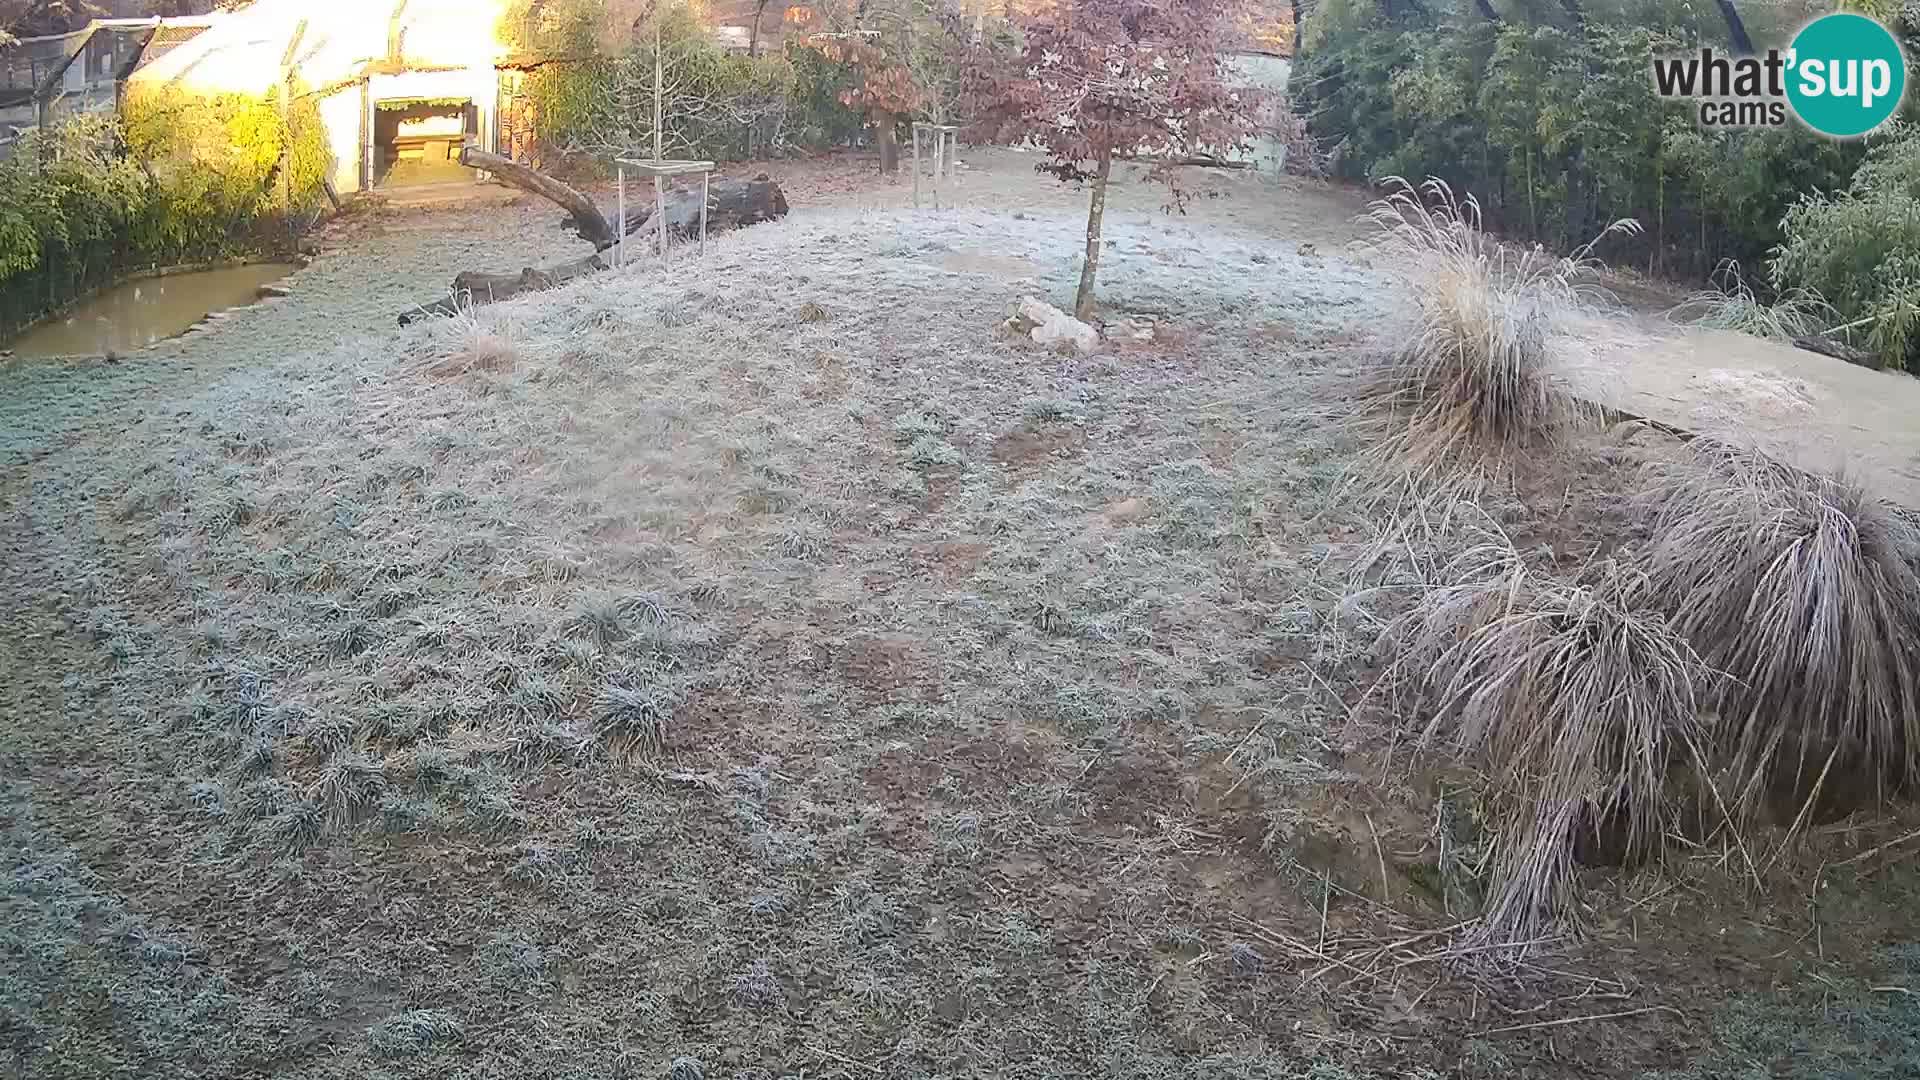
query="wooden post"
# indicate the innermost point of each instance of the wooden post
(366, 133)
(659, 140)
(620, 221)
(659, 92)
(660, 211)
(916, 166)
(706, 196)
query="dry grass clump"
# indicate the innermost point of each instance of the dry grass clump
(1804, 590)
(1729, 303)
(478, 342)
(634, 720)
(1581, 699)
(1476, 381)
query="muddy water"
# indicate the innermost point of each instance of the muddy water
(142, 312)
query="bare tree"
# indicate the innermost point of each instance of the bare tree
(753, 38)
(692, 108)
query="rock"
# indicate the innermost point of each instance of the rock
(686, 1068)
(1138, 328)
(269, 292)
(1050, 326)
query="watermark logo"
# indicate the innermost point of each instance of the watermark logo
(1843, 76)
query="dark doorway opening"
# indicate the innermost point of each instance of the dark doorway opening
(418, 142)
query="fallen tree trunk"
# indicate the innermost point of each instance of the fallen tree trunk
(585, 218)
(1840, 350)
(731, 204)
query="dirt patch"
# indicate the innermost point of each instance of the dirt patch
(951, 561)
(1028, 448)
(888, 668)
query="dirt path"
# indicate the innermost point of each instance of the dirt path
(1798, 405)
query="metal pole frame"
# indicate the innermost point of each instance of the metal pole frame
(706, 180)
(916, 166)
(620, 223)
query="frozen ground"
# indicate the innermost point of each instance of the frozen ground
(773, 663)
(370, 268)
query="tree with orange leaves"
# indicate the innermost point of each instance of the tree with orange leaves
(885, 89)
(1103, 79)
(906, 55)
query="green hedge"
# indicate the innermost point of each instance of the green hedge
(175, 178)
(1860, 249)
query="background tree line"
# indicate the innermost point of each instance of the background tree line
(1546, 111)
(856, 72)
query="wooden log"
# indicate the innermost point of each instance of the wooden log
(586, 218)
(731, 204)
(472, 288)
(1839, 350)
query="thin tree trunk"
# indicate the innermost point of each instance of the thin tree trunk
(1736, 28)
(753, 42)
(1083, 303)
(888, 136)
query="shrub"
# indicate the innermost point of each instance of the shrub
(1476, 382)
(1803, 590)
(217, 163)
(1580, 698)
(66, 197)
(1860, 248)
(178, 178)
(718, 104)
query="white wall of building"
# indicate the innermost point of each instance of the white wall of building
(340, 115)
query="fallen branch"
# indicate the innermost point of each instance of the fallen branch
(1565, 1020)
(1871, 852)
(731, 204)
(585, 218)
(1840, 350)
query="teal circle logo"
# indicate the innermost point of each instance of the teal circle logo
(1845, 75)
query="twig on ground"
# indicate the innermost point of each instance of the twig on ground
(1326, 894)
(1565, 1020)
(1386, 891)
(1872, 851)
